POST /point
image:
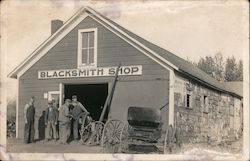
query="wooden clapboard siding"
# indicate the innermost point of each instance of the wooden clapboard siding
(143, 94)
(63, 56)
(110, 51)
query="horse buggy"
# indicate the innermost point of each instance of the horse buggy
(143, 127)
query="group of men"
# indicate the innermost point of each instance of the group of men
(65, 116)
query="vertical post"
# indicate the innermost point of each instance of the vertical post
(17, 107)
(110, 95)
(246, 109)
(61, 89)
(171, 97)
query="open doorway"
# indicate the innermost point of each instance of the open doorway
(92, 96)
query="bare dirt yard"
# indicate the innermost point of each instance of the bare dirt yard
(17, 146)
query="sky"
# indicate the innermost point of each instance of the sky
(189, 29)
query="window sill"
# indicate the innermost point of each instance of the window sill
(87, 66)
(189, 108)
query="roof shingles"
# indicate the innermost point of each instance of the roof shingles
(183, 65)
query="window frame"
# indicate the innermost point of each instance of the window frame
(205, 101)
(189, 101)
(205, 104)
(79, 50)
(50, 93)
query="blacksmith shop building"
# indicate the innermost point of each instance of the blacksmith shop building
(81, 56)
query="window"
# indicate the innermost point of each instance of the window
(205, 101)
(205, 104)
(188, 101)
(54, 95)
(87, 48)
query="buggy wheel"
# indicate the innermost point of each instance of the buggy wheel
(124, 138)
(92, 133)
(111, 136)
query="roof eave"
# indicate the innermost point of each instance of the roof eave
(208, 84)
(14, 73)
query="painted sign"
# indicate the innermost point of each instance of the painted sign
(90, 72)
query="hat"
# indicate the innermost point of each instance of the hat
(68, 100)
(74, 96)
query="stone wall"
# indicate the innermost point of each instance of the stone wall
(211, 115)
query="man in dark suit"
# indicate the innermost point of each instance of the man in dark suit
(51, 117)
(29, 119)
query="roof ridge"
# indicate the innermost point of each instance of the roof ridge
(175, 62)
(219, 85)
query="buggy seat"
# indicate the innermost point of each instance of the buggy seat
(144, 116)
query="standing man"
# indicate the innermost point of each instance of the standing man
(75, 112)
(51, 117)
(64, 122)
(178, 136)
(170, 138)
(29, 119)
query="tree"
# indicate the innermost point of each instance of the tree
(219, 66)
(11, 109)
(231, 69)
(240, 71)
(207, 65)
(214, 66)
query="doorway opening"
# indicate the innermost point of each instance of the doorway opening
(92, 96)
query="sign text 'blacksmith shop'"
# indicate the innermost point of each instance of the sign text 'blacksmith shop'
(90, 72)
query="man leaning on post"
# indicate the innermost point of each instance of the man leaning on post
(76, 112)
(64, 122)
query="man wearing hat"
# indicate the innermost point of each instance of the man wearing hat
(64, 122)
(51, 117)
(75, 112)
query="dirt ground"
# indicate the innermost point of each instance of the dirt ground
(17, 146)
(233, 148)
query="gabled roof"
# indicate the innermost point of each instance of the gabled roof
(162, 56)
(68, 26)
(183, 66)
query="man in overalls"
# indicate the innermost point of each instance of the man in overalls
(75, 112)
(29, 118)
(51, 117)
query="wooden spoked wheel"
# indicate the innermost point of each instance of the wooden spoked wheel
(124, 139)
(111, 136)
(92, 133)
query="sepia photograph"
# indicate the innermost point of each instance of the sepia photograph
(127, 80)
